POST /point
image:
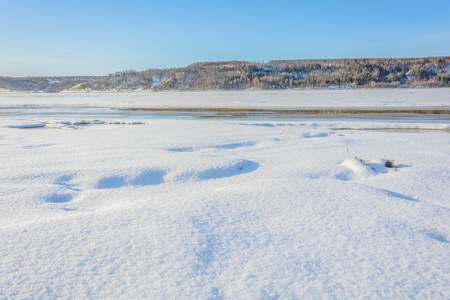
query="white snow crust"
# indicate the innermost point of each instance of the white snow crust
(381, 98)
(228, 209)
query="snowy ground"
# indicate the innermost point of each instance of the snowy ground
(231, 209)
(382, 98)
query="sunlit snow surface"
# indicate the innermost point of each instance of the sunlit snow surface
(232, 209)
(383, 98)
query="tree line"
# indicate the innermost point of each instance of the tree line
(242, 75)
(282, 74)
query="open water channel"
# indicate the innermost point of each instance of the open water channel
(361, 115)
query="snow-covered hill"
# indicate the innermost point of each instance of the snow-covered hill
(241, 75)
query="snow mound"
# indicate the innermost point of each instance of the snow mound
(360, 169)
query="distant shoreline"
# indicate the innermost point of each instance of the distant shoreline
(309, 89)
(386, 73)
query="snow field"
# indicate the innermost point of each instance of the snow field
(223, 209)
(357, 98)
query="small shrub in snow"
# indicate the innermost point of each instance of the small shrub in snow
(390, 163)
(363, 161)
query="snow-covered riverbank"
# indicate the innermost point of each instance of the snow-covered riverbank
(223, 209)
(382, 98)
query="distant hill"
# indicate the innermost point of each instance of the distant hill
(241, 75)
(41, 84)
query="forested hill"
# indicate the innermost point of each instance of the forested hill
(276, 74)
(41, 84)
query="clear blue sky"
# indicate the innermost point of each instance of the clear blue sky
(96, 37)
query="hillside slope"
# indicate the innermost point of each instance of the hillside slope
(236, 75)
(241, 75)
